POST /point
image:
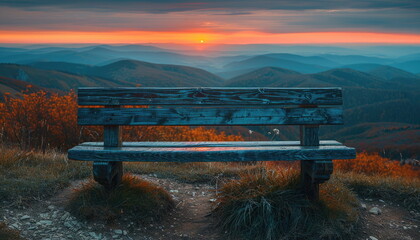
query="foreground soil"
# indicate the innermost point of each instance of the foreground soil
(189, 220)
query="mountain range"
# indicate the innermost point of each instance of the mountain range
(225, 64)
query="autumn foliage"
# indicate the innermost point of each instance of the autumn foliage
(374, 164)
(44, 120)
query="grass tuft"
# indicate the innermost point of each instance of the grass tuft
(270, 205)
(135, 199)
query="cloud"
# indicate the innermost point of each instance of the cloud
(162, 6)
(212, 16)
(274, 21)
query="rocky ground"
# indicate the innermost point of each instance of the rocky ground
(385, 221)
(49, 220)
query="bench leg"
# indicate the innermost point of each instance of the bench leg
(313, 173)
(108, 174)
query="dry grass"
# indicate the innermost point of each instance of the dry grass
(254, 207)
(197, 172)
(135, 199)
(26, 176)
(399, 190)
(270, 205)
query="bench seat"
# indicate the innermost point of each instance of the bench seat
(211, 151)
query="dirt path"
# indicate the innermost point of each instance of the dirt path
(189, 220)
(393, 223)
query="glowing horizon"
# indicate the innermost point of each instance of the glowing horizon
(203, 38)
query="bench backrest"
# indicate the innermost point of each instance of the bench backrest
(210, 106)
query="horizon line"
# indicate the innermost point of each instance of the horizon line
(207, 38)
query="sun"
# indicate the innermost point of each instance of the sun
(201, 41)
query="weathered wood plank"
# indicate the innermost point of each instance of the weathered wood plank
(112, 136)
(107, 173)
(213, 144)
(209, 116)
(205, 96)
(210, 154)
(309, 135)
(313, 172)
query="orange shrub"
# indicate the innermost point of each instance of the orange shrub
(374, 164)
(43, 120)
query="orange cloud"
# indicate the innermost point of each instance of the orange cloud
(132, 37)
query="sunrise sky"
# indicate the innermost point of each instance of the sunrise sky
(210, 22)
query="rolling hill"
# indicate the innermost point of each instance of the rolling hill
(409, 66)
(270, 77)
(345, 77)
(53, 79)
(356, 59)
(150, 74)
(14, 87)
(65, 76)
(312, 60)
(382, 71)
(269, 61)
(391, 139)
(74, 68)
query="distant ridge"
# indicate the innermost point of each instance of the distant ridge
(268, 76)
(409, 66)
(383, 71)
(53, 79)
(269, 61)
(66, 76)
(312, 60)
(150, 74)
(74, 68)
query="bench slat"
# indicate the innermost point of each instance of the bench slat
(211, 154)
(209, 96)
(213, 144)
(209, 116)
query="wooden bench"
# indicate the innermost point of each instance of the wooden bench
(306, 107)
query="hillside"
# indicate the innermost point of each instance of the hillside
(53, 79)
(14, 87)
(382, 71)
(312, 60)
(278, 77)
(270, 61)
(356, 59)
(388, 138)
(150, 74)
(79, 69)
(345, 77)
(268, 76)
(65, 76)
(409, 66)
